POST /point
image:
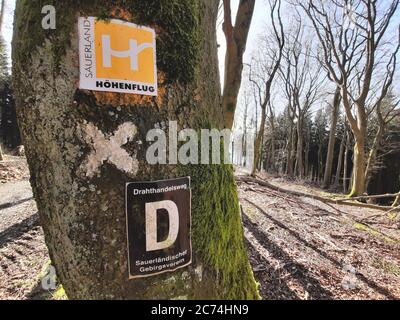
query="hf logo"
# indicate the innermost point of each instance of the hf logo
(117, 56)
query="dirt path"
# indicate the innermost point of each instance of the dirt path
(23, 253)
(303, 249)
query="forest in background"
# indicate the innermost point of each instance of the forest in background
(321, 88)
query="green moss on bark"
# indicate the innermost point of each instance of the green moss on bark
(176, 23)
(218, 231)
(178, 38)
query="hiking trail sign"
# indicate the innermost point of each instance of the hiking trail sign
(117, 56)
(158, 216)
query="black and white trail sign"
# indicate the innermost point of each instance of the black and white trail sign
(158, 226)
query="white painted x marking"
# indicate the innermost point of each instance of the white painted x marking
(109, 149)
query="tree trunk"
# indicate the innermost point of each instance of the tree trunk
(2, 9)
(289, 164)
(299, 154)
(1, 154)
(332, 139)
(84, 218)
(320, 162)
(358, 186)
(346, 162)
(372, 157)
(236, 38)
(396, 201)
(340, 160)
(258, 142)
(272, 155)
(306, 157)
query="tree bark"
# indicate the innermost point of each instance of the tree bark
(346, 162)
(236, 38)
(272, 155)
(84, 218)
(299, 153)
(258, 142)
(396, 201)
(332, 139)
(358, 186)
(372, 157)
(2, 9)
(340, 160)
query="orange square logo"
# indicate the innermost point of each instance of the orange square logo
(117, 56)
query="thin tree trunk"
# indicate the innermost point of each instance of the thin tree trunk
(332, 139)
(244, 138)
(236, 38)
(306, 157)
(272, 155)
(340, 160)
(372, 157)
(346, 162)
(83, 217)
(320, 162)
(1, 154)
(396, 201)
(289, 164)
(299, 154)
(293, 158)
(2, 11)
(258, 142)
(358, 186)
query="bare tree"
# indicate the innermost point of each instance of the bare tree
(348, 42)
(340, 158)
(2, 11)
(266, 66)
(271, 152)
(332, 138)
(236, 38)
(396, 201)
(346, 179)
(302, 80)
(290, 116)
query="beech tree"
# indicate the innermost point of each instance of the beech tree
(84, 217)
(332, 138)
(3, 61)
(352, 43)
(267, 64)
(302, 80)
(236, 38)
(396, 201)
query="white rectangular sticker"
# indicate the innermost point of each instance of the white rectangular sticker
(117, 56)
